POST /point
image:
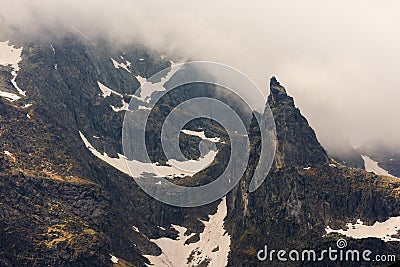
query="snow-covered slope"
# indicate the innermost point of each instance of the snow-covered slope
(139, 169)
(9, 55)
(372, 166)
(213, 246)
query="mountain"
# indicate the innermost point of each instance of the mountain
(61, 205)
(297, 142)
(66, 201)
(304, 195)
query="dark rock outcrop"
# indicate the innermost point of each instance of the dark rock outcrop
(297, 143)
(294, 205)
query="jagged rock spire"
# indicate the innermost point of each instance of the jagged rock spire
(276, 86)
(297, 143)
(278, 94)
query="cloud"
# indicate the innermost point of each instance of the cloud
(339, 59)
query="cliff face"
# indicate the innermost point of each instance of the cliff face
(297, 144)
(60, 205)
(305, 193)
(304, 135)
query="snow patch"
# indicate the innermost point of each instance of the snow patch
(7, 153)
(10, 96)
(14, 83)
(118, 65)
(194, 166)
(107, 91)
(118, 163)
(9, 55)
(332, 165)
(27, 105)
(201, 135)
(136, 229)
(372, 166)
(139, 169)
(141, 80)
(307, 168)
(125, 107)
(148, 88)
(213, 246)
(114, 259)
(28, 116)
(382, 230)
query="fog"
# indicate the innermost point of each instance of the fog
(340, 60)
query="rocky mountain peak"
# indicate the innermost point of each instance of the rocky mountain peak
(276, 85)
(278, 94)
(297, 143)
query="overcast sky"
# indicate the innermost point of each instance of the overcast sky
(339, 59)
